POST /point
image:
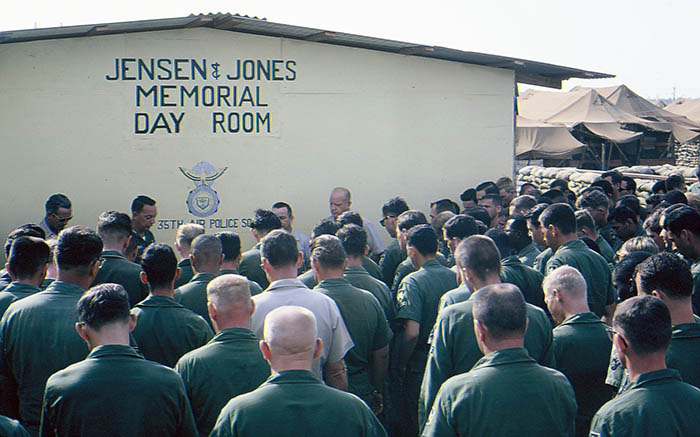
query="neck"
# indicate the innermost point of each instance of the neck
(419, 260)
(576, 308)
(231, 322)
(506, 343)
(280, 364)
(681, 311)
(36, 280)
(108, 337)
(116, 247)
(639, 365)
(355, 261)
(329, 274)
(563, 239)
(140, 232)
(282, 272)
(212, 270)
(164, 291)
(82, 281)
(489, 280)
(229, 265)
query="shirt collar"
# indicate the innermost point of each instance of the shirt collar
(203, 277)
(581, 318)
(112, 254)
(293, 377)
(153, 301)
(652, 377)
(356, 270)
(65, 287)
(286, 283)
(112, 350)
(333, 282)
(233, 334)
(505, 356)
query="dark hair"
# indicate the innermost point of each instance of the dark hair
(354, 239)
(77, 247)
(653, 222)
(27, 256)
(280, 249)
(327, 226)
(623, 275)
(485, 185)
(114, 225)
(631, 183)
(666, 272)
(349, 217)
(555, 196)
(659, 186)
(615, 175)
(584, 219)
(605, 186)
(328, 251)
(678, 217)
(139, 202)
(516, 228)
(501, 309)
(675, 197)
(632, 202)
(409, 219)
(265, 221)
(460, 226)
(480, 255)
(57, 201)
(27, 230)
(592, 199)
(495, 198)
(468, 194)
(645, 322)
(478, 213)
(591, 244)
(525, 201)
(654, 200)
(533, 216)
(103, 304)
(502, 241)
(159, 263)
(561, 183)
(394, 206)
(423, 238)
(561, 216)
(279, 205)
(206, 249)
(621, 214)
(443, 205)
(674, 182)
(230, 244)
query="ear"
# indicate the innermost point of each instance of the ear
(82, 332)
(94, 267)
(479, 331)
(178, 272)
(264, 349)
(252, 307)
(192, 261)
(143, 278)
(318, 347)
(132, 322)
(211, 309)
(126, 243)
(300, 260)
(366, 251)
(221, 260)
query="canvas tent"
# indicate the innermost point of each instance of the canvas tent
(689, 108)
(539, 140)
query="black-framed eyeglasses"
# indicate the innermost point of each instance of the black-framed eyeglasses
(611, 333)
(384, 219)
(62, 219)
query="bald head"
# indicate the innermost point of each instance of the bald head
(339, 201)
(500, 308)
(229, 302)
(565, 293)
(206, 254)
(290, 331)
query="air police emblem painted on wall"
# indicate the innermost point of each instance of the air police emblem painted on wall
(203, 201)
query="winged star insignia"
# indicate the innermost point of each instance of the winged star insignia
(203, 201)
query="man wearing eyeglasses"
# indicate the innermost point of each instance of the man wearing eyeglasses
(58, 214)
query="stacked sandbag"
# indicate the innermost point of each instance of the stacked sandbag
(687, 155)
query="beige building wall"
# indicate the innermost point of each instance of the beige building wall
(380, 124)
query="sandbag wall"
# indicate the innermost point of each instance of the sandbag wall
(687, 155)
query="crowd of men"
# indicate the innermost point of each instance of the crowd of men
(533, 313)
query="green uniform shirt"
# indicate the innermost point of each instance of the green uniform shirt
(250, 266)
(117, 269)
(391, 258)
(229, 365)
(454, 349)
(26, 363)
(406, 267)
(594, 269)
(46, 282)
(255, 288)
(368, 328)
(528, 280)
(193, 295)
(459, 294)
(307, 278)
(609, 234)
(541, 260)
(295, 403)
(695, 270)
(528, 254)
(166, 330)
(116, 392)
(581, 352)
(605, 249)
(658, 403)
(358, 277)
(418, 298)
(372, 267)
(11, 428)
(186, 272)
(15, 291)
(142, 242)
(5, 279)
(505, 394)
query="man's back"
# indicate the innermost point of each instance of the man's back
(38, 338)
(360, 278)
(295, 403)
(684, 352)
(115, 391)
(117, 269)
(166, 330)
(506, 394)
(186, 272)
(391, 258)
(657, 403)
(193, 295)
(250, 266)
(229, 365)
(528, 280)
(14, 292)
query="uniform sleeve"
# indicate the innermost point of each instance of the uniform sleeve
(383, 334)
(341, 342)
(388, 265)
(9, 402)
(410, 301)
(599, 426)
(440, 422)
(47, 424)
(616, 371)
(187, 426)
(438, 368)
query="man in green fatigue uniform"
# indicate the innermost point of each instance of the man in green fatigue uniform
(453, 347)
(27, 264)
(231, 248)
(294, 402)
(351, 217)
(418, 298)
(143, 215)
(681, 225)
(656, 402)
(231, 363)
(25, 363)
(506, 393)
(115, 230)
(364, 318)
(558, 223)
(184, 236)
(625, 224)
(585, 227)
(12, 428)
(598, 205)
(114, 391)
(28, 230)
(581, 343)
(457, 229)
(528, 280)
(206, 260)
(327, 226)
(264, 222)
(393, 255)
(526, 251)
(354, 239)
(165, 330)
(533, 226)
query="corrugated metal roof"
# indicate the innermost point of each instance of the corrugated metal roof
(528, 72)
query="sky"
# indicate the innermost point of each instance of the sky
(648, 44)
